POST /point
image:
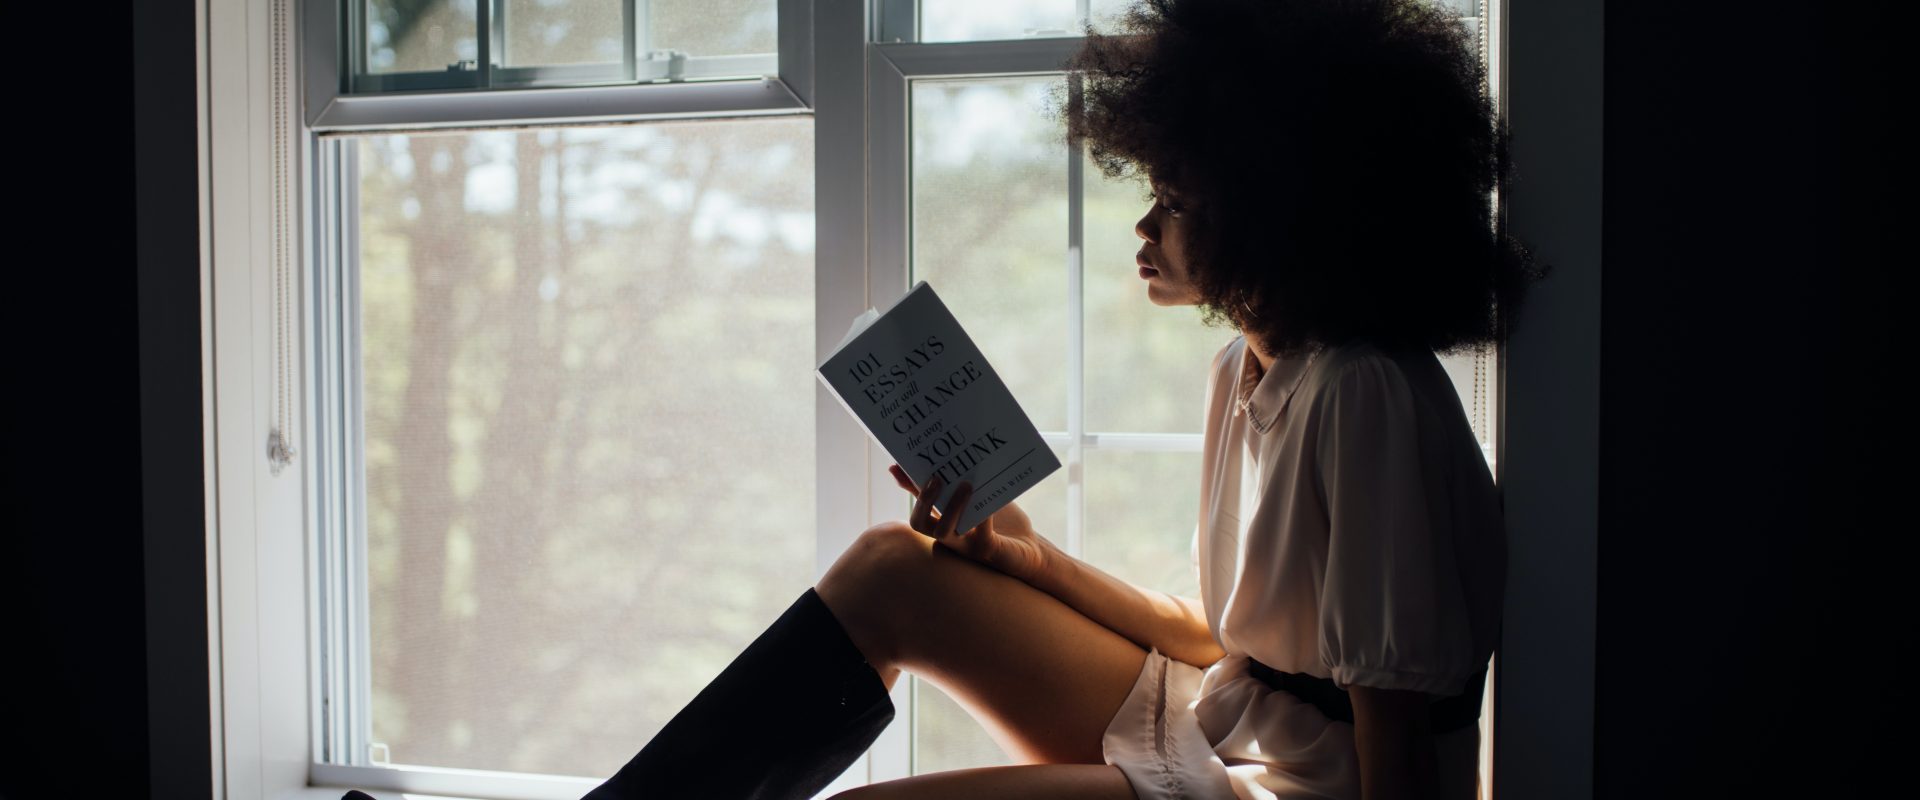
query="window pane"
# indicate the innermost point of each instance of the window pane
(1146, 364)
(990, 227)
(1105, 12)
(712, 27)
(982, 20)
(580, 353)
(419, 36)
(1141, 512)
(553, 32)
(975, 20)
(945, 735)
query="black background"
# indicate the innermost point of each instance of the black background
(1754, 638)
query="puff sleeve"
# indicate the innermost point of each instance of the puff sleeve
(1392, 611)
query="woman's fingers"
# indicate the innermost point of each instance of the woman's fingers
(922, 519)
(900, 477)
(950, 518)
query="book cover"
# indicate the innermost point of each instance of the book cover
(916, 382)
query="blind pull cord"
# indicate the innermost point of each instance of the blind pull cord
(280, 447)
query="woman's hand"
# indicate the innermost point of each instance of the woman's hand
(1005, 541)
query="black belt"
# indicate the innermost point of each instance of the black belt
(1449, 714)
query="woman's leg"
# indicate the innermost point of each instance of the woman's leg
(789, 714)
(1037, 781)
(1042, 678)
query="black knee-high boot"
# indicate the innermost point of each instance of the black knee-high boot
(791, 713)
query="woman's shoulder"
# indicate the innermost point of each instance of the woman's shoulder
(1367, 372)
(1227, 358)
(1230, 349)
(1221, 375)
(1336, 361)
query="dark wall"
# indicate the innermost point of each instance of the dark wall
(173, 486)
(1749, 637)
(105, 566)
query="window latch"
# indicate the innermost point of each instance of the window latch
(674, 61)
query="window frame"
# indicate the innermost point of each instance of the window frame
(282, 565)
(330, 107)
(264, 605)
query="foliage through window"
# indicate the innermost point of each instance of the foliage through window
(580, 353)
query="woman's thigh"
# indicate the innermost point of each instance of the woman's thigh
(1042, 678)
(1048, 781)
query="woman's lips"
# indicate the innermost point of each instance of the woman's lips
(1146, 270)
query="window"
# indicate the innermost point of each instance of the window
(467, 281)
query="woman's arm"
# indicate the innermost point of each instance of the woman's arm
(1007, 542)
(1393, 734)
(1177, 625)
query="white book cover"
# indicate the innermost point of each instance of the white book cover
(920, 387)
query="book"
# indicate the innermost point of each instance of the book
(916, 382)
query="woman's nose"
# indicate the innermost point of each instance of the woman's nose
(1145, 228)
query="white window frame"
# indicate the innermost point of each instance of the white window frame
(328, 108)
(266, 604)
(279, 565)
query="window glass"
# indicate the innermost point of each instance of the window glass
(989, 229)
(428, 36)
(579, 348)
(1141, 512)
(975, 20)
(983, 20)
(1146, 364)
(1105, 12)
(712, 27)
(422, 41)
(945, 735)
(554, 32)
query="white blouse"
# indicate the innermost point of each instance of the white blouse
(1349, 528)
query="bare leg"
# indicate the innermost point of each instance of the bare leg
(1039, 781)
(1042, 678)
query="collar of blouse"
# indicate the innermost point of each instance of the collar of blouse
(1261, 397)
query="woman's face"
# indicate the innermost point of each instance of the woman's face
(1162, 260)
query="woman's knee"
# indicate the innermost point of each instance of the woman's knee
(871, 584)
(880, 554)
(890, 541)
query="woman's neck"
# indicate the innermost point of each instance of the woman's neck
(1260, 354)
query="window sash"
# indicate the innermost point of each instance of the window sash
(636, 64)
(338, 95)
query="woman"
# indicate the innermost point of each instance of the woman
(1322, 174)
